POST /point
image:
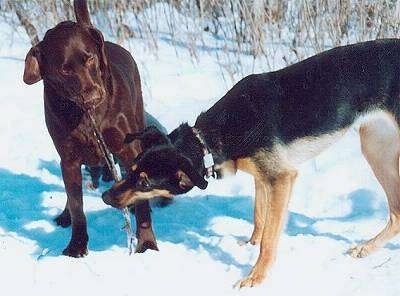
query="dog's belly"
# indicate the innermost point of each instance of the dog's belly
(288, 157)
(304, 149)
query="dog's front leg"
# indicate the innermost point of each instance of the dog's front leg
(141, 208)
(259, 214)
(71, 171)
(278, 195)
(144, 231)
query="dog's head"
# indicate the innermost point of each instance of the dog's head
(160, 170)
(71, 59)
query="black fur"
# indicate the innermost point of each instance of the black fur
(319, 95)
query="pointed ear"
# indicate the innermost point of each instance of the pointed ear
(32, 66)
(186, 166)
(151, 136)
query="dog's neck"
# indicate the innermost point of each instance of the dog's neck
(208, 160)
(188, 143)
(212, 134)
(237, 125)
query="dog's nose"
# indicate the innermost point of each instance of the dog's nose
(107, 198)
(92, 97)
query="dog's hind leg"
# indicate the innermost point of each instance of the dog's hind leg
(95, 173)
(380, 144)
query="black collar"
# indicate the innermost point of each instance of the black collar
(208, 160)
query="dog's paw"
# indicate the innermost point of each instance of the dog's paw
(360, 251)
(64, 219)
(252, 241)
(255, 239)
(252, 280)
(92, 185)
(242, 242)
(142, 246)
(75, 251)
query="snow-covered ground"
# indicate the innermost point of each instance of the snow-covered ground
(336, 204)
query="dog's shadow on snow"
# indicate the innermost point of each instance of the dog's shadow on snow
(363, 206)
(186, 221)
(22, 212)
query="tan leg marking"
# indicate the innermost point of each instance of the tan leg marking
(278, 194)
(260, 212)
(248, 166)
(380, 144)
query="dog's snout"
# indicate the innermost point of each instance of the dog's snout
(111, 199)
(91, 97)
(107, 198)
(91, 93)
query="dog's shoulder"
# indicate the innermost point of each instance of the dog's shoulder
(116, 54)
(121, 62)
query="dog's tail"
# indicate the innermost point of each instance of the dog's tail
(82, 12)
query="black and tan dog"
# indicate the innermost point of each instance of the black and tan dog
(269, 123)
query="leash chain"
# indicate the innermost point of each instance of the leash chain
(111, 166)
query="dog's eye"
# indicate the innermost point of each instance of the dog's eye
(145, 183)
(90, 60)
(66, 70)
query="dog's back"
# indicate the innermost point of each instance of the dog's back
(122, 62)
(320, 95)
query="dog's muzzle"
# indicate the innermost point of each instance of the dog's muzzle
(90, 100)
(107, 198)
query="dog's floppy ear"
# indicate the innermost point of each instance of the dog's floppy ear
(194, 176)
(32, 66)
(98, 38)
(151, 136)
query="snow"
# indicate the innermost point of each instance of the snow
(336, 204)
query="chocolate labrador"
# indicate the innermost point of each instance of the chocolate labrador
(82, 72)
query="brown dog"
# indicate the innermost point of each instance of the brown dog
(81, 71)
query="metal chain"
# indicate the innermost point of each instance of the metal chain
(111, 166)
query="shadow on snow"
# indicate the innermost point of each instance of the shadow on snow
(21, 202)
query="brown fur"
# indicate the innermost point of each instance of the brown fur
(82, 72)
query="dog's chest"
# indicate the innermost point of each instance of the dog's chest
(87, 144)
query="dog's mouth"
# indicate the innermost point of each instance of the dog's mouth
(93, 103)
(129, 197)
(90, 101)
